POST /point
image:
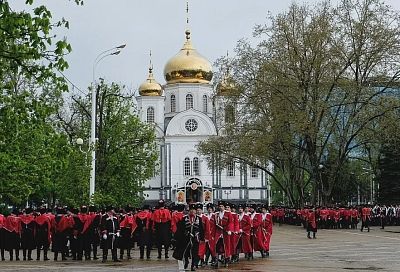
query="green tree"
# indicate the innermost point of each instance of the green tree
(126, 151)
(32, 151)
(318, 79)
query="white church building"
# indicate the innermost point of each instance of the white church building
(186, 111)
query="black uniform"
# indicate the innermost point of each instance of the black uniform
(62, 228)
(93, 236)
(42, 228)
(144, 232)
(109, 232)
(125, 240)
(190, 232)
(27, 238)
(12, 236)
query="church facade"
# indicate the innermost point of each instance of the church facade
(185, 111)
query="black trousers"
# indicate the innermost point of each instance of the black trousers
(192, 252)
(365, 224)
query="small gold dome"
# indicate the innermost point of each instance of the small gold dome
(226, 86)
(188, 66)
(150, 87)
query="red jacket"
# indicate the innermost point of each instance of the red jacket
(175, 219)
(223, 229)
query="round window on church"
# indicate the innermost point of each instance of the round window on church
(191, 125)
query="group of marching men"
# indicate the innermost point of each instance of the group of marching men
(337, 217)
(219, 235)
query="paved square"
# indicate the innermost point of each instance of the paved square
(291, 251)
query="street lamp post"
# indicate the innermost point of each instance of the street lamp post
(228, 192)
(110, 52)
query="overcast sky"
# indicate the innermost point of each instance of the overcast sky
(156, 25)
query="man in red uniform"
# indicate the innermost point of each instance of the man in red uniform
(210, 244)
(365, 217)
(206, 229)
(324, 213)
(223, 231)
(235, 233)
(311, 223)
(162, 228)
(244, 244)
(280, 214)
(354, 217)
(257, 235)
(266, 226)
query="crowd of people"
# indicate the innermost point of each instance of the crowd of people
(198, 235)
(339, 217)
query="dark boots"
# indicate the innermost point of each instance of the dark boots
(148, 250)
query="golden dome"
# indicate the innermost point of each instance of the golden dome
(188, 66)
(226, 86)
(150, 87)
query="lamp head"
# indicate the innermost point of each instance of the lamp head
(79, 141)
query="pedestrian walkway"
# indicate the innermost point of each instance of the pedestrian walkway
(291, 251)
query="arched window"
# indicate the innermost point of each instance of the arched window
(196, 166)
(205, 104)
(230, 170)
(189, 101)
(186, 167)
(150, 115)
(173, 103)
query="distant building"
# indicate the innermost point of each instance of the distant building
(186, 111)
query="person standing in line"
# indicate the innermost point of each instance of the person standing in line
(93, 232)
(109, 228)
(62, 226)
(43, 233)
(162, 227)
(12, 235)
(143, 232)
(27, 233)
(125, 241)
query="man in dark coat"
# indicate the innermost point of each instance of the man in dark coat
(189, 233)
(144, 231)
(12, 235)
(162, 227)
(127, 225)
(27, 233)
(93, 235)
(76, 245)
(109, 228)
(62, 226)
(42, 236)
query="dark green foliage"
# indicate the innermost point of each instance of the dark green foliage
(389, 178)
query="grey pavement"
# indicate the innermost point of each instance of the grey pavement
(291, 251)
